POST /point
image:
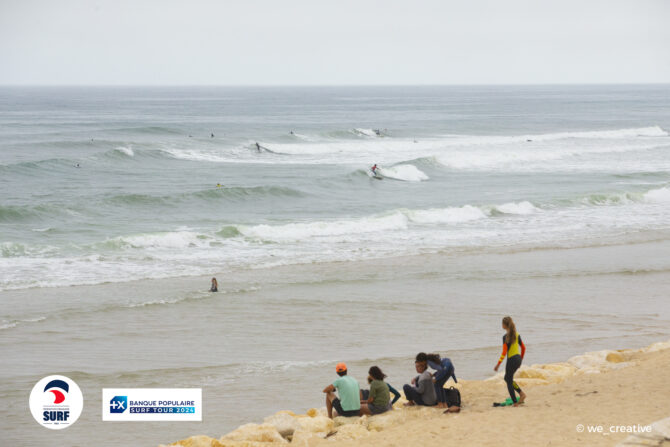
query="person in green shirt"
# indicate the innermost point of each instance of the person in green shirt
(379, 400)
(347, 403)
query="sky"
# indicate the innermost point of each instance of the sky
(337, 42)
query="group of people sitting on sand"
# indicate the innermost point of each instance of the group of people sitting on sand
(425, 389)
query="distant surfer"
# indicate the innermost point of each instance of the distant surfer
(77, 166)
(219, 185)
(215, 286)
(258, 147)
(292, 133)
(378, 132)
(374, 170)
(212, 136)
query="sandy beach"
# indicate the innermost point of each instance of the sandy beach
(602, 398)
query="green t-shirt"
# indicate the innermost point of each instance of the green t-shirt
(348, 392)
(379, 393)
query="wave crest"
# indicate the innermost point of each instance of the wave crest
(660, 195)
(404, 172)
(521, 208)
(341, 227)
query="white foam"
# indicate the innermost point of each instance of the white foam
(503, 158)
(195, 155)
(273, 366)
(462, 152)
(394, 232)
(660, 195)
(524, 207)
(152, 303)
(651, 131)
(11, 324)
(366, 132)
(446, 215)
(172, 239)
(398, 220)
(407, 173)
(8, 324)
(128, 150)
(339, 227)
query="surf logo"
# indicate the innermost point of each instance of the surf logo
(56, 402)
(118, 404)
(57, 387)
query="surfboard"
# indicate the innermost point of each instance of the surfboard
(506, 403)
(372, 174)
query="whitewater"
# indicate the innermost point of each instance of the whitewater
(94, 198)
(119, 204)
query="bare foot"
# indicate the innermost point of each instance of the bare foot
(522, 397)
(408, 404)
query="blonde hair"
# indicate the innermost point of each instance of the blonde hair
(511, 329)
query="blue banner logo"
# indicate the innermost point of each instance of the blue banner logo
(118, 404)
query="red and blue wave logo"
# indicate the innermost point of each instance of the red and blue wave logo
(59, 388)
(56, 402)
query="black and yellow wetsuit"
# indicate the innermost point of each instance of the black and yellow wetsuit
(515, 352)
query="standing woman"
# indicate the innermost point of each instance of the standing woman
(514, 348)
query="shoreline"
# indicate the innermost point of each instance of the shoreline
(610, 389)
(567, 302)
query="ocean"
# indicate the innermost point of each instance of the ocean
(118, 205)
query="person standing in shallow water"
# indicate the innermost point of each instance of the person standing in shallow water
(215, 286)
(515, 350)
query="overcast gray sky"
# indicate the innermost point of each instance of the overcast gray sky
(333, 42)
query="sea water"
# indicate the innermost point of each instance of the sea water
(117, 206)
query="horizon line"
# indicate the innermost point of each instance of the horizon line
(548, 84)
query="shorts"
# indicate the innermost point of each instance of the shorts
(337, 405)
(374, 409)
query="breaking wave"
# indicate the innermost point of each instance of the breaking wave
(404, 172)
